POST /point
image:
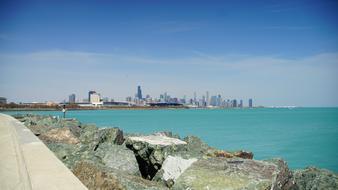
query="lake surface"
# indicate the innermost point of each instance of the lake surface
(301, 136)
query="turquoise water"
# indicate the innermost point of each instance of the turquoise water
(301, 136)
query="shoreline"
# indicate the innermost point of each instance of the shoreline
(85, 148)
(121, 108)
(149, 108)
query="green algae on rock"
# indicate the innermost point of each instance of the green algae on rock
(315, 178)
(97, 177)
(235, 173)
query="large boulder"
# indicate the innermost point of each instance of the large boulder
(37, 130)
(69, 154)
(68, 122)
(37, 124)
(196, 147)
(315, 178)
(93, 136)
(88, 133)
(59, 135)
(235, 173)
(110, 135)
(152, 150)
(172, 168)
(96, 177)
(118, 157)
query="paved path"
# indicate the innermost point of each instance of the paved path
(26, 163)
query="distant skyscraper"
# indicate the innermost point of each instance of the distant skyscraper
(203, 101)
(207, 99)
(166, 98)
(3, 100)
(129, 99)
(139, 92)
(213, 100)
(195, 98)
(219, 100)
(234, 103)
(72, 99)
(240, 104)
(90, 93)
(250, 103)
(95, 98)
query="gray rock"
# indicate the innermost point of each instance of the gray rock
(197, 148)
(42, 124)
(68, 122)
(235, 173)
(110, 135)
(118, 157)
(172, 168)
(313, 178)
(96, 177)
(93, 136)
(284, 179)
(34, 124)
(152, 150)
(88, 133)
(67, 153)
(59, 135)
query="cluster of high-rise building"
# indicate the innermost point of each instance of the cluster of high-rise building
(3, 100)
(205, 101)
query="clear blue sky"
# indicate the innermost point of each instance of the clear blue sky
(276, 52)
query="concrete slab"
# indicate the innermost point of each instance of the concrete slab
(158, 140)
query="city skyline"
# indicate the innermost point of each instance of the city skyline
(204, 101)
(278, 53)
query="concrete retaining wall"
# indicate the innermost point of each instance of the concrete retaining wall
(26, 163)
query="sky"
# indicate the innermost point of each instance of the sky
(279, 53)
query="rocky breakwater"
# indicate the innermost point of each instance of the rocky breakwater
(106, 158)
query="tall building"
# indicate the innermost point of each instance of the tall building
(72, 99)
(195, 98)
(213, 100)
(219, 100)
(250, 103)
(234, 103)
(129, 99)
(139, 93)
(240, 104)
(89, 94)
(95, 98)
(161, 98)
(166, 97)
(203, 102)
(3, 100)
(207, 99)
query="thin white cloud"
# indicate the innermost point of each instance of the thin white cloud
(228, 61)
(274, 80)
